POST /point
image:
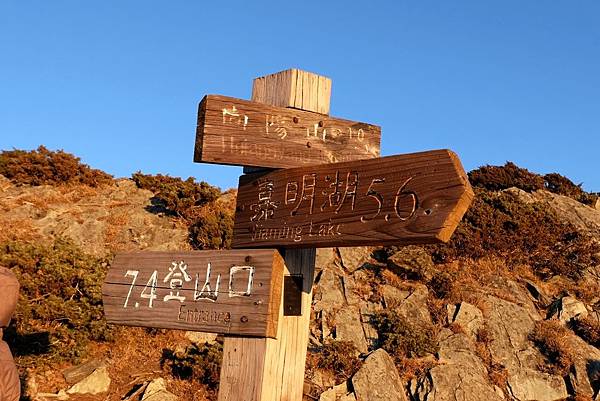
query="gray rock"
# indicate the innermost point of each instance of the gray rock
(325, 258)
(96, 383)
(98, 220)
(349, 286)
(328, 292)
(468, 317)
(414, 307)
(567, 308)
(393, 296)
(354, 258)
(583, 217)
(348, 327)
(584, 377)
(199, 338)
(157, 391)
(378, 379)
(367, 310)
(60, 396)
(462, 376)
(347, 397)
(532, 385)
(341, 392)
(509, 326)
(412, 262)
(77, 373)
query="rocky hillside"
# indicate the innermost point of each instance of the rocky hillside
(508, 310)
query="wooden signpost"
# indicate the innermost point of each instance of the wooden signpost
(235, 131)
(236, 291)
(408, 199)
(334, 191)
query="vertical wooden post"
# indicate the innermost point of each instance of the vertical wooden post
(265, 369)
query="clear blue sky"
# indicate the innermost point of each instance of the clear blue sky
(118, 82)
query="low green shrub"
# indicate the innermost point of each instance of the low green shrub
(497, 224)
(198, 363)
(402, 338)
(561, 185)
(497, 178)
(212, 231)
(45, 167)
(441, 284)
(60, 304)
(179, 197)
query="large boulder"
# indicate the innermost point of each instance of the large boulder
(328, 291)
(509, 326)
(378, 379)
(348, 327)
(462, 375)
(533, 385)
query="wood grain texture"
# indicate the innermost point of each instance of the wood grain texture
(240, 132)
(272, 369)
(407, 199)
(294, 88)
(165, 289)
(269, 369)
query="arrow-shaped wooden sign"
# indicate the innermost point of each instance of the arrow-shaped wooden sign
(407, 199)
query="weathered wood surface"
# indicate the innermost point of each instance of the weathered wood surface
(240, 132)
(408, 199)
(272, 369)
(294, 88)
(257, 369)
(171, 290)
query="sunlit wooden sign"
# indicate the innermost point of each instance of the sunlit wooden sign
(234, 292)
(240, 132)
(408, 199)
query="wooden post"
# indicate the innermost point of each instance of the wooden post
(265, 369)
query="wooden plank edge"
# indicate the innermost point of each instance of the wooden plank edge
(463, 203)
(200, 130)
(276, 300)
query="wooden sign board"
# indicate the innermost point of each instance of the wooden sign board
(408, 199)
(233, 292)
(240, 132)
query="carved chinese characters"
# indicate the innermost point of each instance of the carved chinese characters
(235, 131)
(214, 291)
(415, 198)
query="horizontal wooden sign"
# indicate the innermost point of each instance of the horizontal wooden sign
(240, 132)
(233, 292)
(409, 199)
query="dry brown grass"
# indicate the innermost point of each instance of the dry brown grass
(18, 230)
(552, 340)
(135, 357)
(414, 368)
(588, 329)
